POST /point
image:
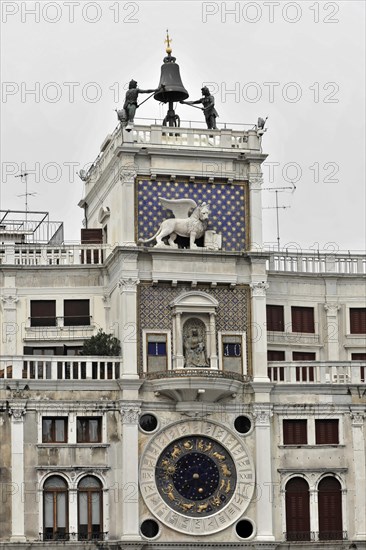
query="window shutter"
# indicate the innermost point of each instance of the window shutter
(358, 320)
(358, 356)
(275, 318)
(302, 319)
(91, 236)
(297, 510)
(326, 432)
(43, 313)
(330, 509)
(76, 313)
(295, 432)
(275, 355)
(303, 356)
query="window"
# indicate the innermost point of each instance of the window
(43, 313)
(330, 509)
(360, 357)
(54, 430)
(55, 509)
(90, 509)
(89, 430)
(295, 432)
(358, 320)
(302, 319)
(275, 318)
(326, 432)
(275, 355)
(305, 373)
(76, 313)
(297, 510)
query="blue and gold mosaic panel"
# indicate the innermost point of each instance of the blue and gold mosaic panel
(228, 206)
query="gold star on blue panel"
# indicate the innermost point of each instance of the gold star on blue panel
(227, 205)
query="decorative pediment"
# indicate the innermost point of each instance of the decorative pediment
(194, 301)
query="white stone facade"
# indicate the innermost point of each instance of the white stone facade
(75, 421)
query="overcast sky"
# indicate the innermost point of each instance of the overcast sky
(299, 63)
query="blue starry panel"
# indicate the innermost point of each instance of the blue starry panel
(227, 207)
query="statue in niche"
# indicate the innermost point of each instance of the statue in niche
(190, 220)
(194, 350)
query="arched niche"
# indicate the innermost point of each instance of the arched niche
(194, 310)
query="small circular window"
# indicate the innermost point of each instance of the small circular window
(150, 528)
(242, 424)
(244, 529)
(148, 422)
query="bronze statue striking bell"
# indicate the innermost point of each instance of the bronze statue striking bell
(170, 78)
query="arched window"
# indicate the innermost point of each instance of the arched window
(330, 509)
(55, 509)
(90, 509)
(297, 509)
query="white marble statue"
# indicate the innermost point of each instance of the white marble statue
(184, 224)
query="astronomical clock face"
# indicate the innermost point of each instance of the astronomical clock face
(196, 477)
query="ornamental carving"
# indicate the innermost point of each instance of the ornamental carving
(9, 302)
(255, 182)
(332, 309)
(17, 411)
(357, 419)
(130, 413)
(259, 289)
(127, 175)
(262, 415)
(190, 220)
(128, 284)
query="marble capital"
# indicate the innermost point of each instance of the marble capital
(130, 413)
(259, 289)
(17, 410)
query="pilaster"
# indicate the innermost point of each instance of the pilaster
(128, 324)
(259, 334)
(359, 461)
(130, 412)
(9, 326)
(332, 330)
(127, 177)
(17, 409)
(255, 201)
(262, 413)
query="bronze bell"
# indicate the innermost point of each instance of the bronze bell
(170, 78)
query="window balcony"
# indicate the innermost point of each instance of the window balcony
(59, 328)
(317, 372)
(53, 255)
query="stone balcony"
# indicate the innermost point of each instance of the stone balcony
(317, 372)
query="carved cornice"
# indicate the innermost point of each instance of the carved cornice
(259, 289)
(128, 284)
(130, 413)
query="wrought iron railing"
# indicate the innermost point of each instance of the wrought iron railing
(303, 536)
(73, 536)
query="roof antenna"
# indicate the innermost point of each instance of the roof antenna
(23, 177)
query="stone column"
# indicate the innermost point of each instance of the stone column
(259, 333)
(332, 331)
(130, 412)
(262, 413)
(128, 325)
(127, 177)
(213, 363)
(9, 326)
(255, 200)
(179, 357)
(359, 462)
(17, 410)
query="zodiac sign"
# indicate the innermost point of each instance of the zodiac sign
(225, 470)
(176, 452)
(188, 445)
(202, 507)
(202, 447)
(185, 506)
(169, 492)
(216, 501)
(222, 484)
(228, 487)
(218, 456)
